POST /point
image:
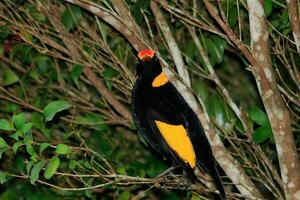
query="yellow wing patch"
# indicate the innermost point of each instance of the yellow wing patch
(160, 80)
(177, 139)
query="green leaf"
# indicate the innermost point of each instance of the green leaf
(124, 195)
(43, 146)
(19, 120)
(75, 73)
(87, 165)
(136, 10)
(43, 64)
(26, 127)
(142, 4)
(62, 149)
(2, 150)
(54, 107)
(40, 58)
(95, 120)
(4, 32)
(190, 51)
(201, 89)
(104, 29)
(37, 15)
(110, 73)
(219, 46)
(28, 139)
(72, 164)
(215, 47)
(6, 125)
(16, 146)
(26, 36)
(121, 170)
(11, 107)
(3, 177)
(21, 51)
(71, 17)
(35, 172)
(258, 116)
(89, 193)
(3, 144)
(268, 7)
(37, 120)
(29, 166)
(155, 166)
(170, 196)
(34, 74)
(52, 166)
(30, 150)
(216, 109)
(10, 77)
(232, 16)
(262, 134)
(16, 135)
(195, 197)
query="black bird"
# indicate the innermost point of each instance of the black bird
(167, 122)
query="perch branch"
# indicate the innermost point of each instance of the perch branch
(293, 11)
(274, 105)
(173, 47)
(277, 112)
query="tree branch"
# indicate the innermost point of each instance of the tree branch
(101, 88)
(274, 105)
(113, 20)
(277, 112)
(295, 22)
(72, 47)
(173, 47)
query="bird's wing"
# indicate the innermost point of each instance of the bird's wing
(178, 112)
(145, 127)
(205, 158)
(199, 140)
(174, 140)
(204, 155)
(173, 135)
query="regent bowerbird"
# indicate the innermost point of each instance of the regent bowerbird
(167, 122)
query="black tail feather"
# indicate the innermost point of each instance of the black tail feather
(217, 181)
(189, 172)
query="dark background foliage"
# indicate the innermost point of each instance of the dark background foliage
(62, 136)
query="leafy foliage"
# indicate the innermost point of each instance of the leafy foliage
(61, 137)
(71, 17)
(54, 107)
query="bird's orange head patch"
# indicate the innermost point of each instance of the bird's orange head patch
(146, 54)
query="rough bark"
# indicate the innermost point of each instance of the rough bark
(295, 21)
(276, 110)
(173, 47)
